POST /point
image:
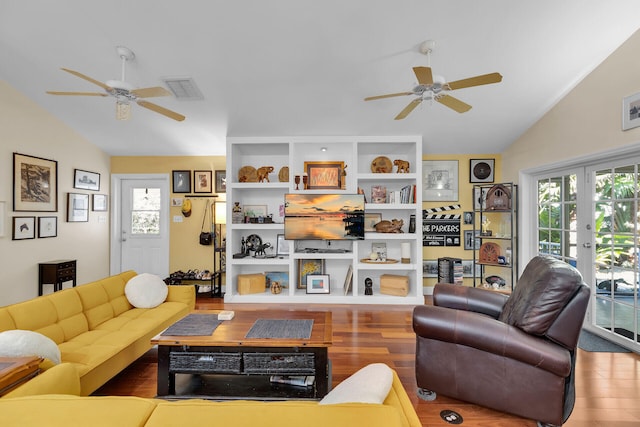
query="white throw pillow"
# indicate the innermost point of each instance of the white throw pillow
(146, 291)
(21, 343)
(370, 384)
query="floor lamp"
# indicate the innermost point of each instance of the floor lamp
(219, 242)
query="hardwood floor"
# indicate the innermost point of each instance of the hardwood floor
(607, 384)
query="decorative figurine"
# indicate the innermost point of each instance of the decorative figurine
(386, 226)
(402, 165)
(368, 286)
(263, 173)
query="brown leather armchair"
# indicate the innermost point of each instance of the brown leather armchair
(515, 353)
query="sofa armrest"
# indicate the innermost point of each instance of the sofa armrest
(59, 379)
(469, 299)
(492, 336)
(184, 294)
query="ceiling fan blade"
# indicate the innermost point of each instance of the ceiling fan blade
(87, 78)
(371, 98)
(408, 109)
(158, 109)
(150, 92)
(484, 79)
(453, 103)
(50, 92)
(424, 75)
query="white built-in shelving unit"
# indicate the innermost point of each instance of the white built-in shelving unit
(357, 153)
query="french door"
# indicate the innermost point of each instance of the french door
(588, 217)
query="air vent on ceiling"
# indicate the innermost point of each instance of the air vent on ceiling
(183, 88)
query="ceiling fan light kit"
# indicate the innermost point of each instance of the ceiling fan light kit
(435, 87)
(124, 92)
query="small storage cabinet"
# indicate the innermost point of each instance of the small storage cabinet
(495, 226)
(56, 273)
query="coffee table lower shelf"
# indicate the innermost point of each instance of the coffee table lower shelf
(209, 373)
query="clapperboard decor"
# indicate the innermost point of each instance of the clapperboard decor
(441, 229)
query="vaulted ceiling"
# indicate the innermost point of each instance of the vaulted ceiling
(303, 67)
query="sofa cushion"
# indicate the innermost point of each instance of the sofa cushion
(95, 303)
(146, 290)
(545, 287)
(19, 343)
(71, 318)
(370, 384)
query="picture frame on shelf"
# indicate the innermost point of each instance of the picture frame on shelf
(370, 220)
(282, 246)
(467, 218)
(181, 180)
(77, 207)
(430, 268)
(480, 198)
(86, 180)
(281, 277)
(318, 284)
(35, 184)
(481, 170)
(440, 180)
(468, 267)
(324, 175)
(24, 228)
(47, 226)
(471, 242)
(99, 203)
(255, 211)
(221, 181)
(202, 181)
(306, 267)
(631, 111)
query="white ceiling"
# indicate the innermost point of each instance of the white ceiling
(303, 67)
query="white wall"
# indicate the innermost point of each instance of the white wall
(586, 121)
(27, 129)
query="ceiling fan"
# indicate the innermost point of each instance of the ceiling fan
(436, 88)
(124, 92)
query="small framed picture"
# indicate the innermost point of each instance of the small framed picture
(47, 226)
(202, 182)
(35, 184)
(85, 180)
(480, 198)
(471, 242)
(255, 211)
(221, 181)
(181, 181)
(318, 284)
(77, 207)
(307, 267)
(430, 268)
(481, 170)
(100, 202)
(468, 218)
(280, 277)
(468, 267)
(282, 246)
(370, 220)
(24, 227)
(631, 111)
(324, 175)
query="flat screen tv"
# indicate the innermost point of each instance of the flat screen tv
(323, 216)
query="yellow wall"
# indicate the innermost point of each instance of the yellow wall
(465, 200)
(28, 129)
(185, 252)
(587, 121)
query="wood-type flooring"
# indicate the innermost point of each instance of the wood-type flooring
(607, 384)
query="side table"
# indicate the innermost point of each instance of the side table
(56, 273)
(17, 370)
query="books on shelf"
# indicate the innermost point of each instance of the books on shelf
(406, 194)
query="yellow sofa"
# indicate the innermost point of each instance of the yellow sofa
(96, 411)
(95, 327)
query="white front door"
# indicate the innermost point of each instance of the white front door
(140, 237)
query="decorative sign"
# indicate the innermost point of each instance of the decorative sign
(440, 230)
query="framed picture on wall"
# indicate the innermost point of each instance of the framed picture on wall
(481, 170)
(85, 180)
(35, 184)
(202, 182)
(77, 207)
(47, 226)
(221, 181)
(24, 227)
(181, 181)
(100, 202)
(440, 180)
(631, 111)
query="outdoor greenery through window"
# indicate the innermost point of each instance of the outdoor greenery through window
(557, 217)
(145, 212)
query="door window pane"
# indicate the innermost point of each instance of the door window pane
(145, 212)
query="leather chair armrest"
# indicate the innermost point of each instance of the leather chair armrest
(489, 335)
(469, 299)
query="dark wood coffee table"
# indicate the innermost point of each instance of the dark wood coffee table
(227, 365)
